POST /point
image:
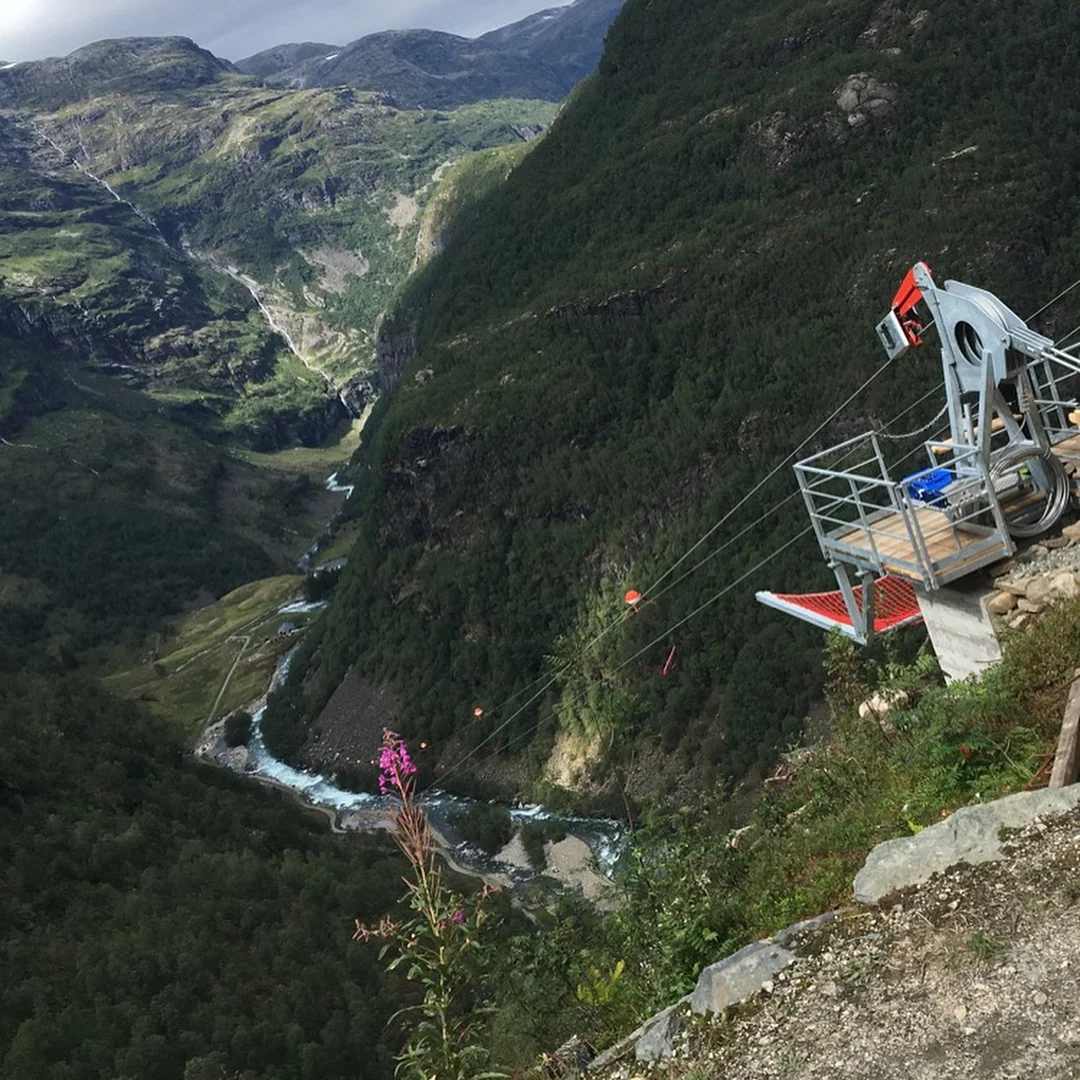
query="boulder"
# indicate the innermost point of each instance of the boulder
(658, 1042)
(1029, 606)
(1001, 603)
(739, 977)
(654, 1036)
(1039, 591)
(1017, 587)
(1072, 531)
(1065, 586)
(971, 835)
(884, 702)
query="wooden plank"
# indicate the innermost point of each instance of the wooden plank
(942, 540)
(1067, 758)
(1068, 448)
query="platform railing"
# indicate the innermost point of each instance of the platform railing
(862, 516)
(1056, 396)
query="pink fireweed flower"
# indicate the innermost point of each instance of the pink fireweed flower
(458, 916)
(395, 765)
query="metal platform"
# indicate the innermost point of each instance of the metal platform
(865, 518)
(1005, 468)
(894, 605)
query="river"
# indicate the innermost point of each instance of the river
(606, 838)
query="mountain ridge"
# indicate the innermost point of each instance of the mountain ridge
(543, 55)
(110, 66)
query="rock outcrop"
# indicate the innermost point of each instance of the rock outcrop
(972, 835)
(863, 98)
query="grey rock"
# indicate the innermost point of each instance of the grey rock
(657, 1044)
(971, 835)
(788, 935)
(738, 977)
(641, 1034)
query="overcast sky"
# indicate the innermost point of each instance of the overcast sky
(32, 29)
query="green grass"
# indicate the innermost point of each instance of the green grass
(179, 673)
(309, 459)
(341, 543)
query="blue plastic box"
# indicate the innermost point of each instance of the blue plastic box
(929, 487)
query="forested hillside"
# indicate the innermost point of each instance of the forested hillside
(167, 920)
(674, 289)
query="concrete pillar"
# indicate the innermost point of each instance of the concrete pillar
(960, 627)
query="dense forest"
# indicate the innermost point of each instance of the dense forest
(159, 918)
(666, 297)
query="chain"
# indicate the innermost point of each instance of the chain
(918, 431)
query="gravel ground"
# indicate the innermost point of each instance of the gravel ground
(1038, 560)
(975, 975)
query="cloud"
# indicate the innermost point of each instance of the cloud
(31, 29)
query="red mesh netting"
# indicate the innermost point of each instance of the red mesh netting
(894, 603)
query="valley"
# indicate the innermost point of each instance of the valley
(450, 386)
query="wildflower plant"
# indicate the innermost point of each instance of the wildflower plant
(438, 944)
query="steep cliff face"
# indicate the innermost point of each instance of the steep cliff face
(83, 274)
(315, 195)
(126, 216)
(661, 302)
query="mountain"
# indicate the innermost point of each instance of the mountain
(83, 273)
(312, 198)
(281, 57)
(191, 271)
(542, 56)
(427, 68)
(118, 66)
(658, 306)
(569, 39)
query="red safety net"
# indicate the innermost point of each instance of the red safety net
(894, 603)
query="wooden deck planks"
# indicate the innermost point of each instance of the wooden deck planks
(1068, 448)
(894, 547)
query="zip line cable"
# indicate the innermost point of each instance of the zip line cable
(663, 636)
(549, 680)
(772, 472)
(647, 593)
(630, 659)
(1050, 303)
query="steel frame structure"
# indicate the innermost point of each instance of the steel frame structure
(1011, 400)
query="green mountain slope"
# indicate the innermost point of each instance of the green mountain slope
(83, 271)
(311, 200)
(669, 294)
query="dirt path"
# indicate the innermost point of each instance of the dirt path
(974, 976)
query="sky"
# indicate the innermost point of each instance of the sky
(33, 29)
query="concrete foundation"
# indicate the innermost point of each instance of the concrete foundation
(960, 627)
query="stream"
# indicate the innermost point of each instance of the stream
(606, 838)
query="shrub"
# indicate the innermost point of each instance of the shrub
(238, 729)
(486, 827)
